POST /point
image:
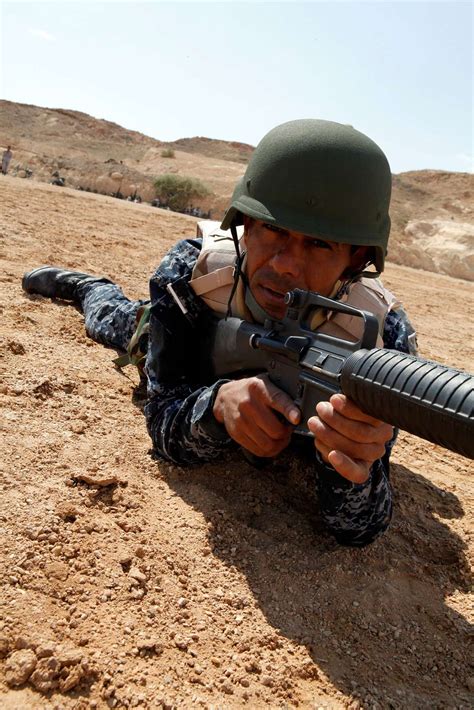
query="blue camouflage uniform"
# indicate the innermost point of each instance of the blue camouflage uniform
(179, 408)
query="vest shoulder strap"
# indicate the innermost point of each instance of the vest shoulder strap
(213, 274)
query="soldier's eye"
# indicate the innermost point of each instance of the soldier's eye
(320, 244)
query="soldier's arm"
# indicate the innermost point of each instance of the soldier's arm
(179, 409)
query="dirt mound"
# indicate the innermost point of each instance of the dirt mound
(128, 582)
(441, 246)
(433, 222)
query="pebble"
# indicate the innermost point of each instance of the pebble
(45, 649)
(135, 573)
(22, 642)
(97, 480)
(470, 683)
(69, 656)
(227, 688)
(180, 643)
(253, 667)
(150, 644)
(73, 678)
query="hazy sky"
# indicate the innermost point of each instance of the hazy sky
(402, 72)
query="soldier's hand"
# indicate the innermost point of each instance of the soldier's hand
(349, 440)
(257, 414)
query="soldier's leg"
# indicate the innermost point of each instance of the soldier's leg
(110, 318)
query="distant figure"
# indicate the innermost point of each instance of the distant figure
(57, 179)
(6, 157)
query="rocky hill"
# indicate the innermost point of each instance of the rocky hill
(432, 211)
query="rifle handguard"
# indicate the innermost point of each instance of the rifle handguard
(419, 396)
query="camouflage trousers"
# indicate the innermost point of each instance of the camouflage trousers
(110, 317)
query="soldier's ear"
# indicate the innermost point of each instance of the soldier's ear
(360, 257)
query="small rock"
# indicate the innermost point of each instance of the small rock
(150, 645)
(78, 427)
(267, 680)
(22, 642)
(97, 480)
(19, 666)
(470, 683)
(125, 558)
(45, 649)
(227, 688)
(16, 348)
(135, 573)
(180, 643)
(253, 667)
(72, 679)
(69, 656)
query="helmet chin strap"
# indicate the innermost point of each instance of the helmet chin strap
(259, 314)
(238, 272)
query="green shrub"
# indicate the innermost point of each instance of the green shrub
(167, 153)
(176, 191)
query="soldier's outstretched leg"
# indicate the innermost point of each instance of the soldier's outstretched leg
(110, 317)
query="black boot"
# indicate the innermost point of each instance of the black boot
(56, 283)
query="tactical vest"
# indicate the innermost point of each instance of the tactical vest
(213, 277)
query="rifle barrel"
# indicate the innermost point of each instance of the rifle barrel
(422, 397)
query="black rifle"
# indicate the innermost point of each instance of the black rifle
(422, 397)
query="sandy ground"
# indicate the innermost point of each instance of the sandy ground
(127, 582)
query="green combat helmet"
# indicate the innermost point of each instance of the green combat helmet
(318, 178)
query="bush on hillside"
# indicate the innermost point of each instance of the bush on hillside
(167, 153)
(176, 191)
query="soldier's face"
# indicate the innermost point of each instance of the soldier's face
(279, 260)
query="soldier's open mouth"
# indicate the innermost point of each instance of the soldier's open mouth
(273, 295)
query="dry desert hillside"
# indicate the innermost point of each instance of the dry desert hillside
(432, 211)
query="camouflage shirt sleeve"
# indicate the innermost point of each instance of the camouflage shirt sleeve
(179, 407)
(356, 514)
